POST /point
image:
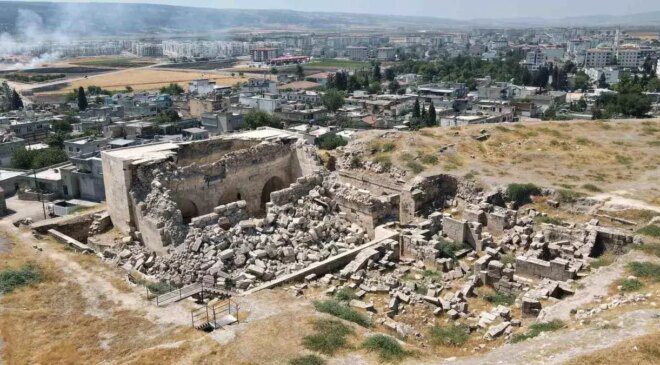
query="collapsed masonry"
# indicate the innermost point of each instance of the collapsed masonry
(154, 191)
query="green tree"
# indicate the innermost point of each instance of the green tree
(16, 101)
(602, 81)
(56, 140)
(274, 70)
(393, 86)
(332, 100)
(22, 159)
(330, 141)
(581, 81)
(376, 72)
(431, 120)
(172, 89)
(63, 125)
(48, 157)
(389, 74)
(82, 99)
(300, 72)
(375, 87)
(415, 112)
(167, 116)
(258, 118)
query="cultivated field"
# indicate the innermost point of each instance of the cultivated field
(149, 79)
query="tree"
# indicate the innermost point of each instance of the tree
(129, 89)
(353, 84)
(415, 112)
(330, 141)
(61, 126)
(376, 72)
(172, 89)
(393, 87)
(602, 81)
(167, 116)
(35, 159)
(581, 81)
(431, 120)
(56, 140)
(526, 77)
(300, 72)
(332, 100)
(274, 70)
(259, 118)
(16, 101)
(82, 99)
(375, 88)
(389, 74)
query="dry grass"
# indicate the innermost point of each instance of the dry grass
(639, 350)
(546, 153)
(149, 79)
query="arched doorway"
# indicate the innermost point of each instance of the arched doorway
(273, 184)
(188, 210)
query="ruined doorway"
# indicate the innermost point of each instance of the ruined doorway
(273, 184)
(188, 210)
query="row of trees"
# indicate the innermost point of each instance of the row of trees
(25, 159)
(422, 117)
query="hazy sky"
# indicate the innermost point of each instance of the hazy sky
(460, 9)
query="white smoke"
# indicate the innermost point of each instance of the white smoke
(30, 33)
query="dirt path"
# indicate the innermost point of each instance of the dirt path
(595, 285)
(558, 347)
(96, 284)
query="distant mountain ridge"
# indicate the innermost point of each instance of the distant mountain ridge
(118, 19)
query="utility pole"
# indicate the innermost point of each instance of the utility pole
(36, 185)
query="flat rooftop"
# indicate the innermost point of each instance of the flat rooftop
(8, 174)
(145, 152)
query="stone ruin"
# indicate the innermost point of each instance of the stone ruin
(219, 218)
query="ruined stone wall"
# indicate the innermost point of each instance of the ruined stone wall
(117, 181)
(295, 191)
(361, 206)
(556, 269)
(426, 194)
(223, 215)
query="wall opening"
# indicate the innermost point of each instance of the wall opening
(188, 210)
(273, 184)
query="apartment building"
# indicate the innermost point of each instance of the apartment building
(598, 58)
(357, 53)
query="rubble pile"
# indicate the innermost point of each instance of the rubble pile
(290, 237)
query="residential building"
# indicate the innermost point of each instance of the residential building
(84, 145)
(83, 178)
(257, 86)
(263, 54)
(30, 130)
(8, 145)
(195, 134)
(265, 102)
(385, 53)
(598, 58)
(629, 56)
(222, 122)
(357, 53)
(201, 87)
(611, 74)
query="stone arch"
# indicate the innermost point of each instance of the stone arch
(188, 210)
(273, 184)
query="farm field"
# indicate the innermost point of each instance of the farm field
(148, 79)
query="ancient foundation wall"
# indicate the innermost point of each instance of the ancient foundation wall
(556, 269)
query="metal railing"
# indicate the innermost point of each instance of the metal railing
(211, 315)
(187, 291)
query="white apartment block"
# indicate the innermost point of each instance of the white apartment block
(598, 58)
(632, 56)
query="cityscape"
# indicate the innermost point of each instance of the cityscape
(288, 182)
